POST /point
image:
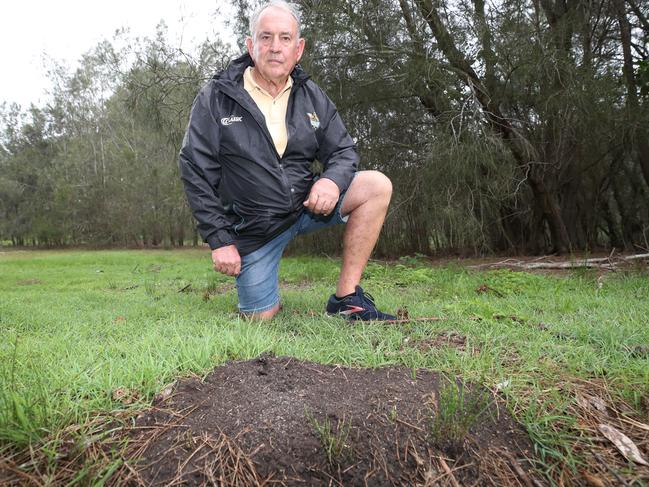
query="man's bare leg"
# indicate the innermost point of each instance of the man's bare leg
(263, 315)
(366, 202)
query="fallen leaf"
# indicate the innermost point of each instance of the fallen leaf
(514, 318)
(502, 385)
(484, 289)
(583, 402)
(599, 404)
(641, 351)
(164, 393)
(402, 313)
(623, 443)
(593, 480)
(125, 396)
(565, 336)
(592, 402)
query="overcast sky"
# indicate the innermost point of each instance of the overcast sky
(31, 31)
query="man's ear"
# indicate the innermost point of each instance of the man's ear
(300, 48)
(249, 45)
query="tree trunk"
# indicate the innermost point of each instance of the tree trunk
(521, 148)
(638, 133)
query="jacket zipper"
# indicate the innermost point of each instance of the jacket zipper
(288, 190)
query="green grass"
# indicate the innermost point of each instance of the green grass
(333, 439)
(75, 326)
(456, 410)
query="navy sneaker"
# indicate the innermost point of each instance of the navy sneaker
(358, 306)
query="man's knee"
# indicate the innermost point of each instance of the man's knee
(373, 181)
(384, 183)
(368, 187)
(376, 183)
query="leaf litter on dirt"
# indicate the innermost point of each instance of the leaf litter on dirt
(623, 443)
(380, 418)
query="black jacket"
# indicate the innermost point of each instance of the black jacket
(238, 187)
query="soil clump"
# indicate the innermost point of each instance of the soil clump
(283, 421)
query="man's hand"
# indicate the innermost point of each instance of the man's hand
(227, 260)
(323, 197)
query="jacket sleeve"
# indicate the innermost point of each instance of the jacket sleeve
(200, 172)
(337, 151)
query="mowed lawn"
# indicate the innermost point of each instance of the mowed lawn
(84, 333)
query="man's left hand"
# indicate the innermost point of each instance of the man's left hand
(323, 197)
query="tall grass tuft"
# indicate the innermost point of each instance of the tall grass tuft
(456, 410)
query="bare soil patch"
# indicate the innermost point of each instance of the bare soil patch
(282, 421)
(29, 282)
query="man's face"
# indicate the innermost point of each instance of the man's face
(276, 48)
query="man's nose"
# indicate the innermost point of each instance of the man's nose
(275, 44)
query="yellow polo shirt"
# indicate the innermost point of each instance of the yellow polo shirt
(273, 109)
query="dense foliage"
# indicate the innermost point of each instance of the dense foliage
(518, 125)
(98, 164)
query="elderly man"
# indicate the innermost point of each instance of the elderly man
(253, 133)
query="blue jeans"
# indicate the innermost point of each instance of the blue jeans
(258, 281)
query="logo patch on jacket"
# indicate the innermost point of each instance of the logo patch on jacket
(315, 121)
(230, 120)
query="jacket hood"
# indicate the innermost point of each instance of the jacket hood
(234, 71)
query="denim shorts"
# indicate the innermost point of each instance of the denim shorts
(258, 281)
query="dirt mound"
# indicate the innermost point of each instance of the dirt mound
(288, 422)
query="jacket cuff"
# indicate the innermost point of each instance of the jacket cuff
(220, 238)
(341, 182)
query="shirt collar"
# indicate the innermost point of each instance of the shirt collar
(250, 84)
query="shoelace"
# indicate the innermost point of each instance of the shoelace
(367, 297)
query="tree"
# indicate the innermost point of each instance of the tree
(99, 164)
(513, 116)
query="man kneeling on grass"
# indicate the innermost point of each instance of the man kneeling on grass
(254, 131)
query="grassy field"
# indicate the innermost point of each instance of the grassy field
(93, 333)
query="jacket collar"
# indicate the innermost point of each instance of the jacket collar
(234, 72)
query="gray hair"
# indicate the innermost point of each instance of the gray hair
(287, 6)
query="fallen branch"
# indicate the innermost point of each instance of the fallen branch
(517, 469)
(608, 263)
(448, 472)
(399, 321)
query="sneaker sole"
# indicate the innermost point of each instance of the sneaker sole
(396, 321)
